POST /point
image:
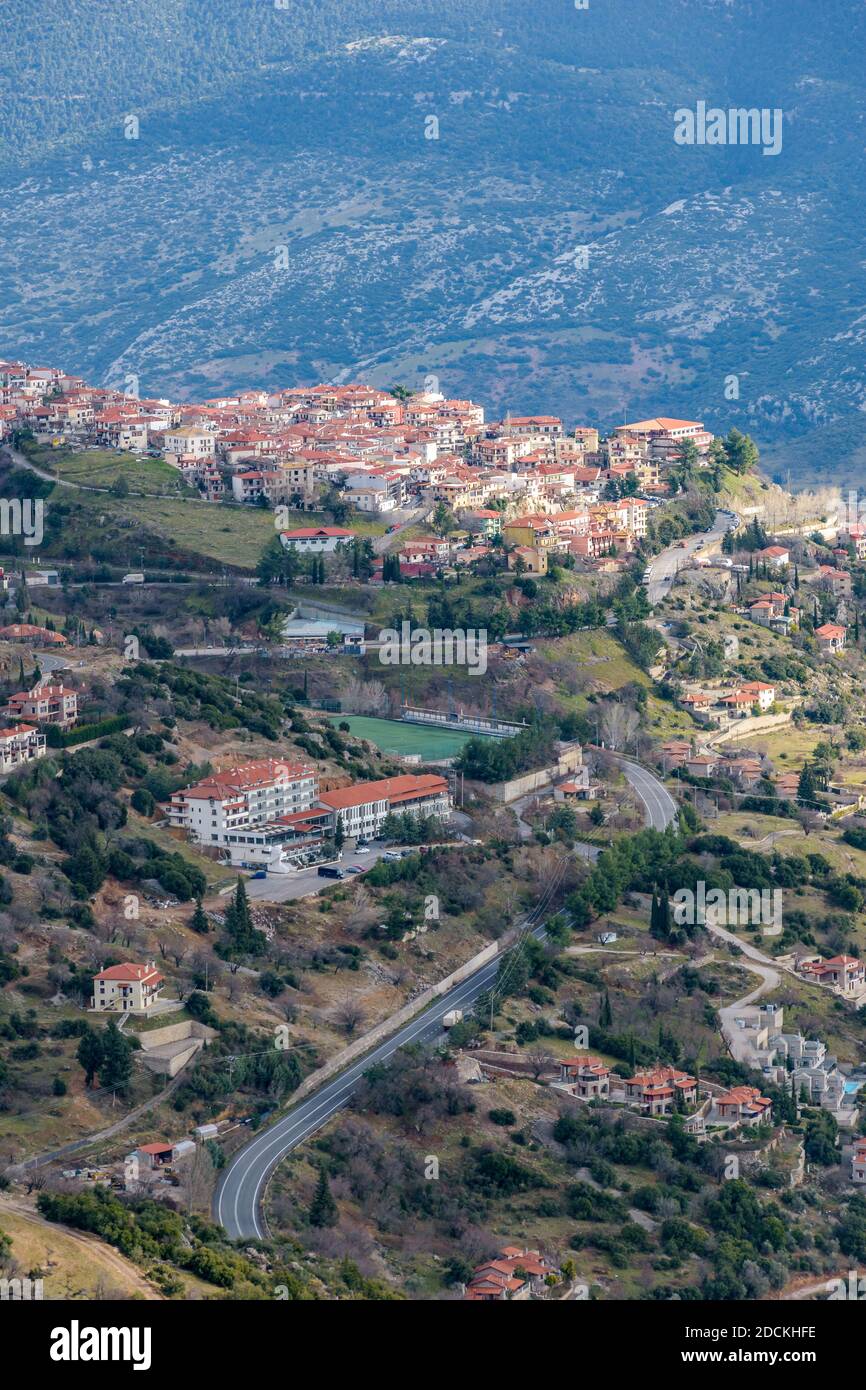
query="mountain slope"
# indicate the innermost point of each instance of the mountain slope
(281, 215)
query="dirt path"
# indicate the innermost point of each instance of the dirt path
(96, 1251)
(38, 1159)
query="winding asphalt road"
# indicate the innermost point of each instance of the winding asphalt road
(658, 803)
(663, 569)
(238, 1199)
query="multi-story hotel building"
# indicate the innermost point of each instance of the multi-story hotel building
(363, 808)
(223, 808)
(267, 813)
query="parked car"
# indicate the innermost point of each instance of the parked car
(355, 869)
(362, 849)
(330, 871)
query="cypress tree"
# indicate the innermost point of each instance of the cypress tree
(199, 920)
(323, 1209)
(90, 1055)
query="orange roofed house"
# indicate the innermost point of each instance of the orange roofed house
(844, 974)
(127, 988)
(515, 1273)
(744, 1105)
(655, 1092)
(20, 745)
(588, 1077)
(830, 637)
(46, 704)
(36, 636)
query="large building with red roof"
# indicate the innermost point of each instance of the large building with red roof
(129, 988)
(266, 812)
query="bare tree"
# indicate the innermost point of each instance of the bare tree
(539, 1063)
(619, 724)
(349, 1016)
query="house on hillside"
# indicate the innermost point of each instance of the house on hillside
(128, 988)
(830, 638)
(514, 1274)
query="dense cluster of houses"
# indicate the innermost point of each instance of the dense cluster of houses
(727, 701)
(381, 453)
(788, 1059)
(272, 813)
(750, 772)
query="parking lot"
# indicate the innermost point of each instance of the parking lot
(284, 888)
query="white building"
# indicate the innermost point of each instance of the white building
(20, 745)
(223, 809)
(363, 808)
(127, 988)
(188, 441)
(316, 539)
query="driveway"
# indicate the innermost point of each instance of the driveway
(754, 960)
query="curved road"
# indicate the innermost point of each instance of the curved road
(660, 807)
(663, 569)
(238, 1198)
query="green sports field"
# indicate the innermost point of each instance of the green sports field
(393, 736)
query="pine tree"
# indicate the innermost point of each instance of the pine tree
(239, 924)
(90, 1055)
(605, 1016)
(199, 920)
(116, 1067)
(339, 834)
(323, 1210)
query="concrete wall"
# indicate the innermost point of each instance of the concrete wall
(390, 1025)
(747, 728)
(166, 1051)
(175, 1032)
(569, 760)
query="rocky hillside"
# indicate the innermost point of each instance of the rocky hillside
(282, 214)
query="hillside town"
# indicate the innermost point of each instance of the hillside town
(512, 770)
